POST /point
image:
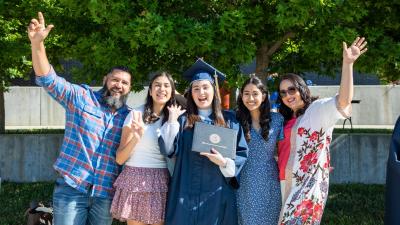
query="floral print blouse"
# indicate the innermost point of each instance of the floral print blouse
(307, 170)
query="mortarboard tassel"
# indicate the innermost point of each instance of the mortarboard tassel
(217, 86)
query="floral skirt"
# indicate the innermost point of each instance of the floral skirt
(140, 195)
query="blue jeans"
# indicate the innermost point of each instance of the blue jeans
(72, 207)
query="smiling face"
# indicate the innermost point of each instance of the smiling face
(252, 97)
(203, 94)
(290, 95)
(161, 90)
(118, 83)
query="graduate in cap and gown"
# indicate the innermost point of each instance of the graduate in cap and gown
(202, 187)
(392, 205)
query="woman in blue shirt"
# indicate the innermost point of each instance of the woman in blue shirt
(259, 195)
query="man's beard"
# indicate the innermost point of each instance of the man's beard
(112, 101)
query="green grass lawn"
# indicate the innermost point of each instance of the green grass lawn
(347, 204)
(359, 204)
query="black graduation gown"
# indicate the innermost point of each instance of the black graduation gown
(392, 202)
(198, 192)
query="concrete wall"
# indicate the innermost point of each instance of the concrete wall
(31, 106)
(359, 158)
(379, 104)
(356, 158)
(28, 158)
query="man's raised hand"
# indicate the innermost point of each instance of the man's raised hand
(37, 30)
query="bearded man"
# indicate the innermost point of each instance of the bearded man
(86, 164)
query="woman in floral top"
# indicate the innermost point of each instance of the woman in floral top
(305, 151)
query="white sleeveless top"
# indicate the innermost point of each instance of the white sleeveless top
(146, 152)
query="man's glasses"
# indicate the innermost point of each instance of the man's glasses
(291, 91)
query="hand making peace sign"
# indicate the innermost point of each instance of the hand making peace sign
(137, 126)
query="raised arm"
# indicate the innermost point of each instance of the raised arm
(37, 32)
(350, 55)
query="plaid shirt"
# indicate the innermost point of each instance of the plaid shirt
(92, 136)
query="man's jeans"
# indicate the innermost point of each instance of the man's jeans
(72, 207)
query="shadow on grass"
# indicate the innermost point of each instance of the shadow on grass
(359, 204)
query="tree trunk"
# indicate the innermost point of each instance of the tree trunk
(232, 98)
(263, 58)
(264, 54)
(2, 113)
(262, 62)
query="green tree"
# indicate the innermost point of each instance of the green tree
(282, 36)
(11, 60)
(15, 62)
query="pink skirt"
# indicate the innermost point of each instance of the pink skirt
(140, 195)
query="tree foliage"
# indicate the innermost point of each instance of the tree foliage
(15, 16)
(15, 60)
(148, 35)
(283, 36)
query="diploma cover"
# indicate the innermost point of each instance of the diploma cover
(222, 139)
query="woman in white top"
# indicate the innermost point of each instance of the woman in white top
(141, 188)
(311, 124)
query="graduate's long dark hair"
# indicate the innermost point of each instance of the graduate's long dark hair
(243, 114)
(148, 115)
(193, 111)
(305, 95)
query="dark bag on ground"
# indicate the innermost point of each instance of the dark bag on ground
(39, 214)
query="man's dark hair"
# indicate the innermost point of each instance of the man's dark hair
(120, 68)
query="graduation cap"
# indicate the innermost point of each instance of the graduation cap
(201, 70)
